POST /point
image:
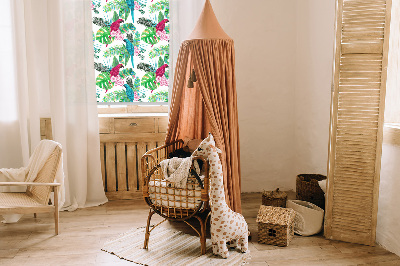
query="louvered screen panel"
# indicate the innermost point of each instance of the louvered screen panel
(356, 119)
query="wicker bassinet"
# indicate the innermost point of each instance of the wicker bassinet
(170, 202)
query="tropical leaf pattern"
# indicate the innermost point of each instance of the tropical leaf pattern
(149, 81)
(161, 96)
(127, 27)
(127, 73)
(149, 36)
(103, 35)
(131, 50)
(103, 81)
(159, 6)
(159, 51)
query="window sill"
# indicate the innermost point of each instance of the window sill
(128, 115)
(132, 110)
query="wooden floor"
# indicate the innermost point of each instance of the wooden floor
(82, 233)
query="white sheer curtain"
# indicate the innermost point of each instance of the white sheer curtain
(183, 18)
(10, 144)
(54, 70)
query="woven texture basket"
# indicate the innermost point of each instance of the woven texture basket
(274, 198)
(308, 189)
(275, 225)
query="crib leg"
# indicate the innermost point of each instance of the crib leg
(147, 235)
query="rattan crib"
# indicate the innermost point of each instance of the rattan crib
(170, 202)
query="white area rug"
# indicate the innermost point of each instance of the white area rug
(168, 247)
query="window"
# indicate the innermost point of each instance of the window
(131, 50)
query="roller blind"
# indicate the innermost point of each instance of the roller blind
(358, 97)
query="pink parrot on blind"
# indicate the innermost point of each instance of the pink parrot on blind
(161, 25)
(115, 25)
(114, 75)
(115, 70)
(160, 76)
(161, 70)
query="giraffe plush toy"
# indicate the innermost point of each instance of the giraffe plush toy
(226, 225)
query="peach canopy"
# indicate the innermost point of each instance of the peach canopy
(211, 105)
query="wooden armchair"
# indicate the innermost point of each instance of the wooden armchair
(36, 197)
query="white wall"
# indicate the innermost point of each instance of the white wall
(284, 52)
(284, 57)
(388, 227)
(314, 60)
(264, 35)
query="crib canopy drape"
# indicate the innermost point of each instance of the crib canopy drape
(211, 105)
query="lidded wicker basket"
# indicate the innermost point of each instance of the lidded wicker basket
(275, 225)
(308, 189)
(274, 198)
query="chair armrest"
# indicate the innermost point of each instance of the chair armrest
(29, 184)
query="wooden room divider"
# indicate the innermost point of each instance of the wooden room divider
(357, 108)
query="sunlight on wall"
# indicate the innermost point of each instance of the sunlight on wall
(8, 93)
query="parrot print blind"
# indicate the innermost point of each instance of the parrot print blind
(131, 50)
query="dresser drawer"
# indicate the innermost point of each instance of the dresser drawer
(106, 125)
(162, 124)
(134, 125)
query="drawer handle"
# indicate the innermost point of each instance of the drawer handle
(133, 124)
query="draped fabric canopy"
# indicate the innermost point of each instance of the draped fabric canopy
(211, 105)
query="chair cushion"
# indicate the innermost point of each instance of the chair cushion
(17, 199)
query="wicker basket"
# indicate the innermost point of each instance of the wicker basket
(275, 225)
(274, 198)
(308, 189)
